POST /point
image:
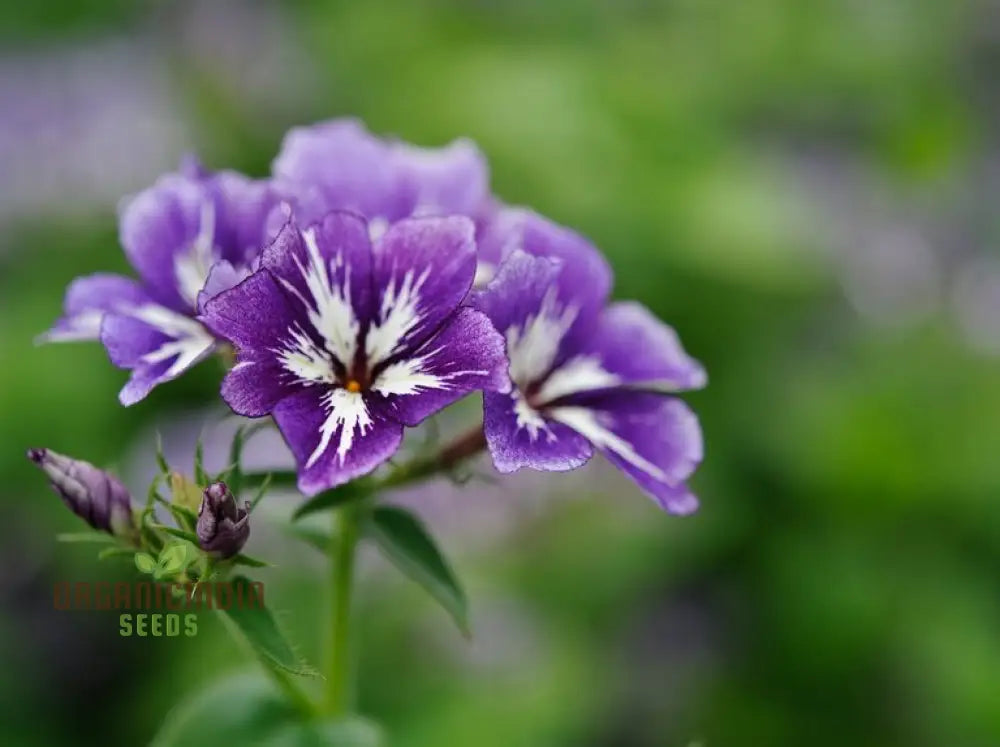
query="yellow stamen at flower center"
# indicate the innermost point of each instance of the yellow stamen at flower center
(353, 386)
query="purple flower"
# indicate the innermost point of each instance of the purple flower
(189, 236)
(94, 495)
(344, 341)
(339, 165)
(223, 527)
(586, 376)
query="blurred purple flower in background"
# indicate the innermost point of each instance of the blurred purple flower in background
(339, 165)
(98, 118)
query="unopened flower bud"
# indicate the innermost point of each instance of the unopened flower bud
(223, 527)
(94, 495)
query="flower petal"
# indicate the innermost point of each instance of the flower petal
(629, 347)
(223, 276)
(452, 180)
(518, 436)
(174, 231)
(585, 281)
(339, 165)
(465, 356)
(522, 303)
(655, 440)
(326, 270)
(156, 343)
(87, 300)
(335, 435)
(258, 318)
(423, 268)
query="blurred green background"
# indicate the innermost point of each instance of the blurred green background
(807, 191)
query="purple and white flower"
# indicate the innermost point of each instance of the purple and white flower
(339, 165)
(345, 341)
(189, 236)
(586, 375)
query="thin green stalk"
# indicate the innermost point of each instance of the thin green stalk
(339, 683)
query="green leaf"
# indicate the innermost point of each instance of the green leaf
(233, 476)
(249, 709)
(161, 460)
(99, 537)
(279, 478)
(200, 476)
(261, 492)
(145, 562)
(250, 562)
(259, 628)
(115, 552)
(153, 494)
(184, 493)
(185, 517)
(346, 493)
(180, 534)
(173, 558)
(313, 536)
(404, 540)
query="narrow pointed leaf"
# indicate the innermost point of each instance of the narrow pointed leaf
(200, 476)
(161, 460)
(97, 537)
(258, 627)
(234, 474)
(313, 536)
(180, 534)
(249, 561)
(115, 552)
(261, 492)
(404, 540)
(279, 478)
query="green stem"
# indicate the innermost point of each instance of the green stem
(339, 665)
(464, 447)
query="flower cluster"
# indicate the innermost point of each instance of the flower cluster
(369, 283)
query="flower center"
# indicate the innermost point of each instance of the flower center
(353, 385)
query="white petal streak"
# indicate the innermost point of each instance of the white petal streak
(190, 340)
(583, 373)
(532, 347)
(83, 326)
(302, 358)
(529, 418)
(411, 377)
(485, 272)
(329, 306)
(345, 411)
(192, 265)
(399, 315)
(588, 423)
